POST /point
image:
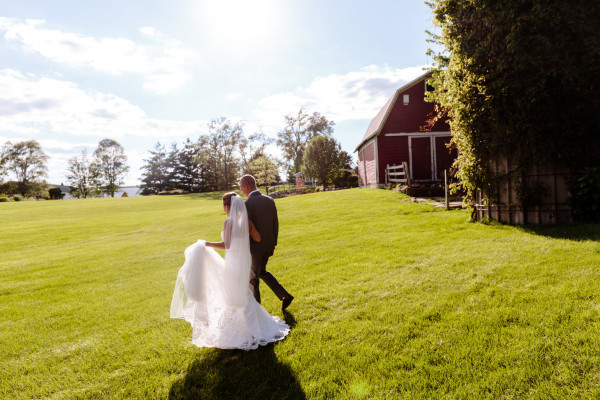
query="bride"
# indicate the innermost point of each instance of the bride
(213, 293)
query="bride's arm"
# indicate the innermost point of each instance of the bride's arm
(254, 234)
(220, 245)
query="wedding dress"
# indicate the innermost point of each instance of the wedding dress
(213, 293)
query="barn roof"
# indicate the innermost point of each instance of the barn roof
(377, 123)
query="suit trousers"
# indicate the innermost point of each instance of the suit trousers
(258, 272)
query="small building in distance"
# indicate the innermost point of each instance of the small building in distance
(397, 135)
(128, 191)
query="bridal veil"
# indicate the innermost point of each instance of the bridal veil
(213, 294)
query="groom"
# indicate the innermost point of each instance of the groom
(263, 214)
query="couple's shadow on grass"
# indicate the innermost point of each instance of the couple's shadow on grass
(239, 374)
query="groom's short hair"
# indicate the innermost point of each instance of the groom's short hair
(248, 180)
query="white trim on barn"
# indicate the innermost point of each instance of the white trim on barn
(432, 136)
(446, 133)
(376, 149)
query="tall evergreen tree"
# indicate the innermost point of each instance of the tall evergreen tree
(171, 164)
(155, 176)
(191, 172)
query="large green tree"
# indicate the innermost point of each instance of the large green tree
(83, 176)
(112, 163)
(221, 147)
(323, 159)
(27, 161)
(520, 78)
(264, 169)
(299, 130)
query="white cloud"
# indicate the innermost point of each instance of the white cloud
(66, 119)
(164, 63)
(233, 96)
(29, 104)
(353, 96)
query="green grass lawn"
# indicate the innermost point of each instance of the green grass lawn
(394, 300)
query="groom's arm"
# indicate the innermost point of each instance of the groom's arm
(275, 225)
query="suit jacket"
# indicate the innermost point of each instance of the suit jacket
(263, 214)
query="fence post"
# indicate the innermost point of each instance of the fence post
(386, 173)
(446, 188)
(406, 173)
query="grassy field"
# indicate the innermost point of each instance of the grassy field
(394, 300)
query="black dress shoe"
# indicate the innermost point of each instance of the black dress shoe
(286, 301)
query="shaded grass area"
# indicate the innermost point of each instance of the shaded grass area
(393, 300)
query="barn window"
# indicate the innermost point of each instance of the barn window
(428, 87)
(405, 99)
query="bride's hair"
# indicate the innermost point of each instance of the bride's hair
(227, 198)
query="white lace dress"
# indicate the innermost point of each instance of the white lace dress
(213, 295)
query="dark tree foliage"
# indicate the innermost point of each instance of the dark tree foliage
(156, 175)
(520, 78)
(55, 193)
(323, 159)
(171, 163)
(190, 172)
(183, 169)
(348, 176)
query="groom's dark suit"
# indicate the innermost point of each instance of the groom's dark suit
(263, 214)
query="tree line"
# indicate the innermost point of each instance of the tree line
(103, 173)
(214, 161)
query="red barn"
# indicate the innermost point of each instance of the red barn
(396, 135)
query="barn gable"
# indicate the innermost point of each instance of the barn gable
(396, 135)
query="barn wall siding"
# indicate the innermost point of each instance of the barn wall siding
(412, 117)
(361, 168)
(392, 150)
(370, 174)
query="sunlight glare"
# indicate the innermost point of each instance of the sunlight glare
(240, 25)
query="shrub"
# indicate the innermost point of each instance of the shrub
(43, 195)
(55, 193)
(18, 197)
(4, 199)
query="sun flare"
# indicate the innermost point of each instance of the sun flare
(239, 25)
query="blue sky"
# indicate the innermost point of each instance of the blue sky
(75, 72)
